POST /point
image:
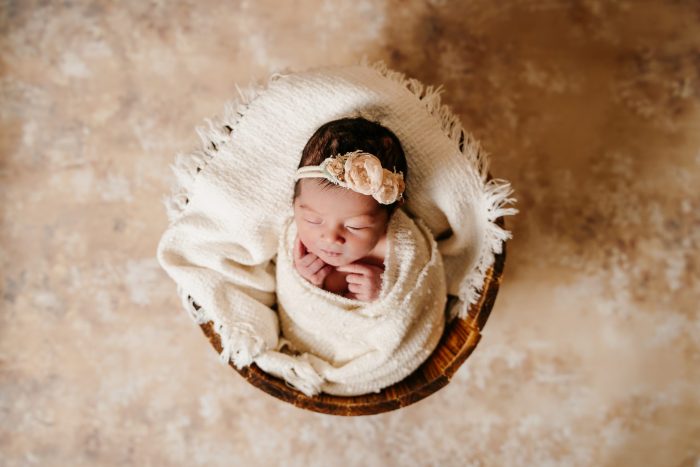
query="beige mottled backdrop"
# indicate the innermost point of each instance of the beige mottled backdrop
(590, 107)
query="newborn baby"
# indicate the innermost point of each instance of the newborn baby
(360, 285)
(341, 242)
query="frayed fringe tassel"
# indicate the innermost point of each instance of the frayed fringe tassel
(198, 315)
(496, 197)
(298, 372)
(240, 345)
(302, 376)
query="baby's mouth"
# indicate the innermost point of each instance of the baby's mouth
(330, 253)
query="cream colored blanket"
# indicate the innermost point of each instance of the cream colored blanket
(233, 197)
(356, 347)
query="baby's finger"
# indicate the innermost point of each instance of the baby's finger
(355, 279)
(355, 288)
(297, 249)
(304, 250)
(316, 266)
(322, 273)
(308, 259)
(362, 297)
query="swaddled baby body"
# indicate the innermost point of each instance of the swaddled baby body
(360, 284)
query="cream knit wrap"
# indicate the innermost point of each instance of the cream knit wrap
(356, 347)
(232, 200)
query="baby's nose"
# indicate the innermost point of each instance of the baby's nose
(333, 235)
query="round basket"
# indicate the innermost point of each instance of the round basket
(458, 341)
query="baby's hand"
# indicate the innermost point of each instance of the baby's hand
(311, 267)
(364, 281)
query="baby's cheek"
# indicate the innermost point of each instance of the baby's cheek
(301, 231)
(307, 238)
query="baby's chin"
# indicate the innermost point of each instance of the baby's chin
(336, 262)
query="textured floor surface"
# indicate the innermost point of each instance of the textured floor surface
(590, 107)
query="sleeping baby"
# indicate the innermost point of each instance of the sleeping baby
(341, 241)
(360, 284)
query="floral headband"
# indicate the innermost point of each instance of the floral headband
(358, 171)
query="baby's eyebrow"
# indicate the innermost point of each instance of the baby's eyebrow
(303, 206)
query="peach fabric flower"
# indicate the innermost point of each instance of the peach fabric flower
(336, 168)
(363, 173)
(392, 186)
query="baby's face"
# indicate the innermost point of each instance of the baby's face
(338, 220)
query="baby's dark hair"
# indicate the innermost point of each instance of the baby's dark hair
(351, 134)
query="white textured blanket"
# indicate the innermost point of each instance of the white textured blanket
(233, 197)
(356, 347)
